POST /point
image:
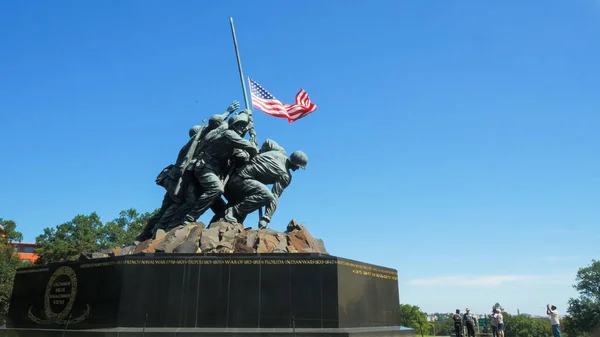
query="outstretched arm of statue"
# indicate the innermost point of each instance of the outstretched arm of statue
(219, 119)
(281, 184)
(232, 107)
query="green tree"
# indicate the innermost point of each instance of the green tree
(584, 311)
(444, 327)
(411, 316)
(68, 240)
(124, 228)
(568, 327)
(523, 326)
(8, 263)
(87, 233)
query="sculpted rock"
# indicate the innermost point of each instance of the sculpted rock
(210, 239)
(108, 251)
(282, 245)
(192, 242)
(152, 244)
(242, 245)
(300, 239)
(252, 238)
(178, 236)
(293, 226)
(160, 234)
(127, 250)
(266, 243)
(321, 246)
(270, 241)
(142, 246)
(187, 247)
(173, 239)
(223, 237)
(99, 255)
(227, 239)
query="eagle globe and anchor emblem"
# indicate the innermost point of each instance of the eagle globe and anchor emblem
(59, 299)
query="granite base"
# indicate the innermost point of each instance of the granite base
(212, 332)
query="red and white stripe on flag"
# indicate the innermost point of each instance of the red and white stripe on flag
(263, 100)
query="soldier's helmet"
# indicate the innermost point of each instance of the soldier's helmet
(215, 121)
(194, 130)
(299, 159)
(240, 118)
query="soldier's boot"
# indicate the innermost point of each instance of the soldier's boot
(230, 215)
(188, 220)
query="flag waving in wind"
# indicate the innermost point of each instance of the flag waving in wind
(263, 100)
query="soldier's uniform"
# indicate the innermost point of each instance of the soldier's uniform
(168, 179)
(219, 146)
(172, 203)
(246, 191)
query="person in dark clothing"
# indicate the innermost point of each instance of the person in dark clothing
(469, 322)
(458, 325)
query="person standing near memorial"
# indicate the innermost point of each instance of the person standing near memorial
(554, 320)
(500, 320)
(458, 324)
(469, 322)
(493, 323)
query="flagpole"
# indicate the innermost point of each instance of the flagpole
(239, 62)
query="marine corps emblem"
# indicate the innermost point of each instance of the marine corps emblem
(59, 298)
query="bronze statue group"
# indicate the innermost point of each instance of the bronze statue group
(217, 162)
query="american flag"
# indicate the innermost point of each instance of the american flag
(263, 100)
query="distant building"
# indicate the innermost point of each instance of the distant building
(25, 251)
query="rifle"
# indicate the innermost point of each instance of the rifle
(189, 157)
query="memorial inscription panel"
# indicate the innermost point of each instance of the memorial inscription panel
(220, 291)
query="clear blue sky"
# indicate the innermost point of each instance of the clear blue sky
(456, 141)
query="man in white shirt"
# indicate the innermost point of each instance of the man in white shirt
(554, 320)
(500, 320)
(494, 323)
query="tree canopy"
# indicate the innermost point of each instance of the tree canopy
(444, 327)
(87, 233)
(9, 263)
(411, 316)
(523, 326)
(584, 311)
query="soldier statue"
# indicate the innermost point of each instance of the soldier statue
(181, 173)
(210, 169)
(246, 190)
(217, 161)
(168, 178)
